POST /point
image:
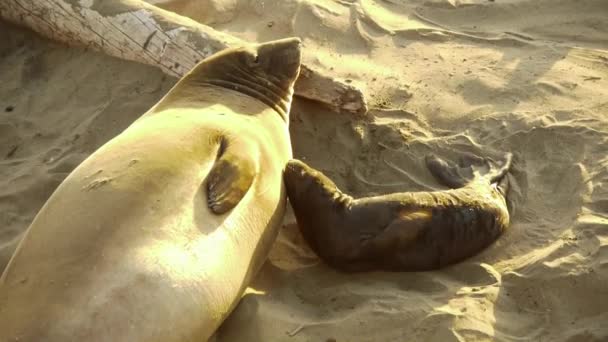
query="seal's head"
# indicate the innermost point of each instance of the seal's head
(310, 192)
(319, 206)
(303, 183)
(264, 71)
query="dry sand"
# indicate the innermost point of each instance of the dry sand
(443, 76)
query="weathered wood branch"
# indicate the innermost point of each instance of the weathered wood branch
(137, 31)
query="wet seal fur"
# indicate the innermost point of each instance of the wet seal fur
(157, 234)
(410, 231)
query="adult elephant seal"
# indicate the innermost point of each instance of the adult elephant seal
(411, 231)
(156, 235)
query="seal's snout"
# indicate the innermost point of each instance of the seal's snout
(285, 43)
(294, 169)
(294, 175)
(287, 46)
(283, 57)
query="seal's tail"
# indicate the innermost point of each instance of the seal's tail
(471, 167)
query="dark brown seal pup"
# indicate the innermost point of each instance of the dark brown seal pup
(410, 231)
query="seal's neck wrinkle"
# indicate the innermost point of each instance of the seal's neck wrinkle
(279, 106)
(270, 82)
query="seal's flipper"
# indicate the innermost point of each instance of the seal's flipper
(470, 167)
(402, 231)
(229, 179)
(445, 172)
(503, 185)
(497, 175)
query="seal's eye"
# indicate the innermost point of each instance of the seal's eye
(253, 60)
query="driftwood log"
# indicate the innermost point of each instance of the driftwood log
(140, 32)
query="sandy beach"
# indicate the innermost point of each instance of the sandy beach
(441, 76)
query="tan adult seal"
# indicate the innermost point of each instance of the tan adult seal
(156, 235)
(411, 231)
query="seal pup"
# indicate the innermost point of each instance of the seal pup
(156, 235)
(409, 231)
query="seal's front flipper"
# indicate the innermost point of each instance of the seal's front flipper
(230, 178)
(404, 230)
(398, 241)
(445, 172)
(470, 167)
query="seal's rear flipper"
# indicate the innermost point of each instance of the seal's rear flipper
(498, 175)
(470, 167)
(229, 179)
